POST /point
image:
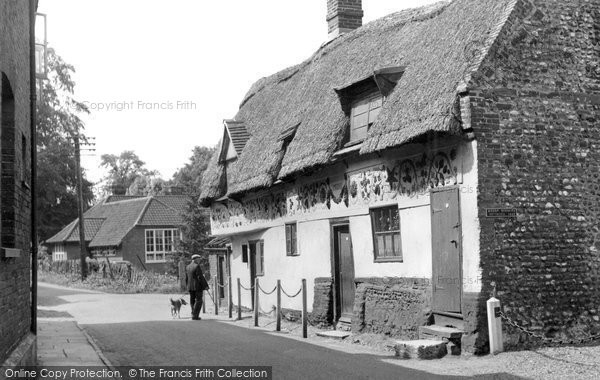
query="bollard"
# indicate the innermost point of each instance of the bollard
(229, 298)
(239, 318)
(216, 295)
(278, 309)
(494, 325)
(204, 302)
(256, 307)
(304, 313)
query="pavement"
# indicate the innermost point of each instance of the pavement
(60, 339)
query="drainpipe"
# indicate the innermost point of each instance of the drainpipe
(33, 147)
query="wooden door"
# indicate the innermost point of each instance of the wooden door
(343, 272)
(446, 250)
(252, 262)
(221, 275)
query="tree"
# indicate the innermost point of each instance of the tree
(123, 171)
(190, 176)
(58, 120)
(147, 185)
(196, 229)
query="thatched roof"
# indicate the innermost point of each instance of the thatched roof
(434, 46)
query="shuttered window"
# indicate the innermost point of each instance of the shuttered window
(291, 239)
(387, 244)
(363, 114)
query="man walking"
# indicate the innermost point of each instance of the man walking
(196, 284)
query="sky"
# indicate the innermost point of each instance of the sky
(159, 76)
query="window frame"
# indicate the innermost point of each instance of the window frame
(369, 97)
(155, 240)
(398, 255)
(293, 229)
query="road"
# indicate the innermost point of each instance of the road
(156, 342)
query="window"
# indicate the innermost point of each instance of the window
(363, 114)
(385, 222)
(291, 239)
(160, 243)
(104, 252)
(259, 258)
(59, 253)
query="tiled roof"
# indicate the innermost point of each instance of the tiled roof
(109, 221)
(158, 214)
(90, 227)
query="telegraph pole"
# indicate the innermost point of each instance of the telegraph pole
(82, 248)
(80, 204)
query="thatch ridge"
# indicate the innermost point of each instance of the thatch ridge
(430, 41)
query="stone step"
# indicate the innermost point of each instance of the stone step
(420, 349)
(437, 332)
(335, 334)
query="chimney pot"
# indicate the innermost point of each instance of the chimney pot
(343, 16)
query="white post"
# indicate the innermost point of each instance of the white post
(494, 325)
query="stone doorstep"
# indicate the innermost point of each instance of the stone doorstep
(420, 349)
(335, 334)
(440, 332)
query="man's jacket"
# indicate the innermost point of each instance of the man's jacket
(194, 278)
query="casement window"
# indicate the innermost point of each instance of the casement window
(160, 243)
(291, 239)
(59, 253)
(385, 222)
(364, 111)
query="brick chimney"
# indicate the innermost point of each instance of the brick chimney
(343, 16)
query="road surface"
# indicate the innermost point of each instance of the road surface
(155, 342)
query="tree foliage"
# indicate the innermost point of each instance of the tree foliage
(196, 230)
(190, 176)
(123, 170)
(58, 120)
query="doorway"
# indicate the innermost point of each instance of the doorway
(343, 273)
(256, 261)
(446, 250)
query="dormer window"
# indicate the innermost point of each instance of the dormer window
(364, 111)
(235, 137)
(363, 100)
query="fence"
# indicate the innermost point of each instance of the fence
(120, 273)
(257, 290)
(495, 316)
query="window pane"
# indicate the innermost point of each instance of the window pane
(380, 246)
(360, 120)
(388, 245)
(358, 133)
(373, 114)
(361, 107)
(149, 241)
(159, 241)
(294, 239)
(397, 245)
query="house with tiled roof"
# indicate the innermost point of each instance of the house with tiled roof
(413, 166)
(142, 230)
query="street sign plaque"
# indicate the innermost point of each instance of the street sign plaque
(501, 213)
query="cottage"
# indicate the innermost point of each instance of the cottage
(17, 121)
(142, 230)
(414, 165)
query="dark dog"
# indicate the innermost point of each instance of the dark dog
(176, 306)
